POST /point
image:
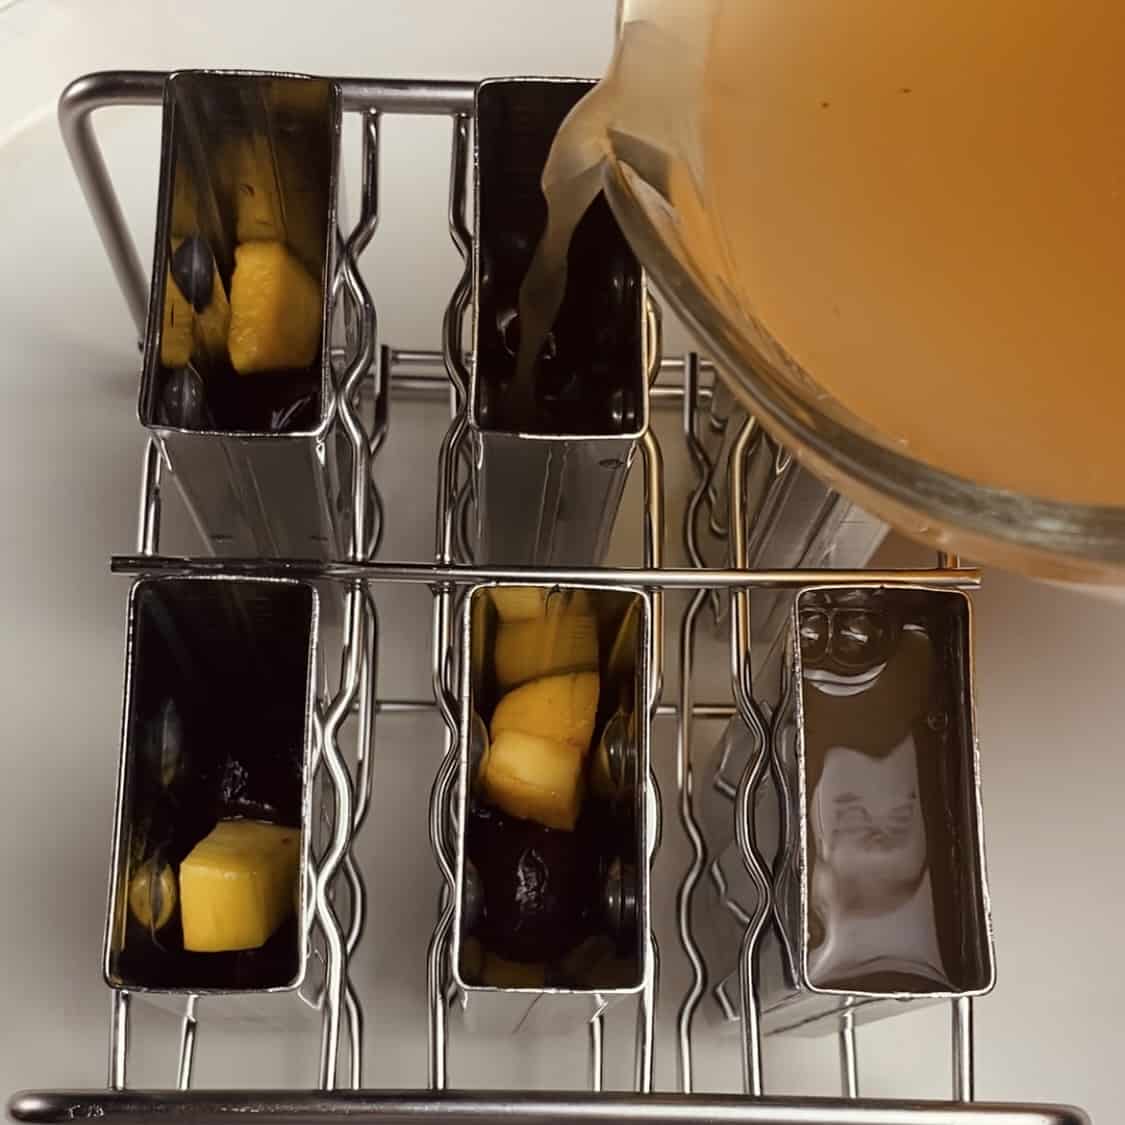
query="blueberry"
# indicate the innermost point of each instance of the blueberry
(183, 403)
(193, 270)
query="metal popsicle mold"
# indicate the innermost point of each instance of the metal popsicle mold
(247, 157)
(571, 991)
(234, 661)
(547, 489)
(878, 904)
(370, 97)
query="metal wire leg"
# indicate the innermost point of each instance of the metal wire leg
(437, 959)
(964, 1071)
(742, 677)
(849, 1059)
(684, 784)
(597, 1053)
(118, 1039)
(188, 1027)
(684, 777)
(148, 520)
(645, 1076)
(344, 804)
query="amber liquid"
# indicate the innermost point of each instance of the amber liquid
(922, 204)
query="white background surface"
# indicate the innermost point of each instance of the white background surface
(1049, 661)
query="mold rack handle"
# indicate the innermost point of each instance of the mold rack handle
(380, 372)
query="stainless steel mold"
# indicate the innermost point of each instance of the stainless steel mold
(609, 959)
(247, 157)
(219, 691)
(880, 896)
(548, 478)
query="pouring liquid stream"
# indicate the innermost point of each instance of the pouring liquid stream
(920, 208)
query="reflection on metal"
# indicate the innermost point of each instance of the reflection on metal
(849, 1058)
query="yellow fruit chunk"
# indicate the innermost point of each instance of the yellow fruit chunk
(236, 885)
(496, 972)
(275, 310)
(257, 199)
(533, 778)
(559, 642)
(561, 708)
(185, 204)
(213, 323)
(176, 334)
(278, 195)
(525, 603)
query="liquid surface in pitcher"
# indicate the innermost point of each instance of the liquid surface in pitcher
(922, 204)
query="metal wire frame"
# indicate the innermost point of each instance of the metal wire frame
(391, 1107)
(764, 740)
(697, 988)
(356, 686)
(409, 372)
(442, 652)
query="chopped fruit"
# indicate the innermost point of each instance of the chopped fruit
(256, 197)
(559, 642)
(533, 778)
(275, 310)
(184, 203)
(236, 885)
(519, 603)
(525, 603)
(279, 194)
(498, 973)
(177, 332)
(152, 895)
(561, 708)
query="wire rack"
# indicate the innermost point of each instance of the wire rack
(367, 376)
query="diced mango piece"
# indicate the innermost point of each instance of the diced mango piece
(546, 646)
(185, 205)
(176, 333)
(213, 323)
(524, 603)
(278, 195)
(561, 708)
(533, 778)
(257, 198)
(236, 885)
(275, 310)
